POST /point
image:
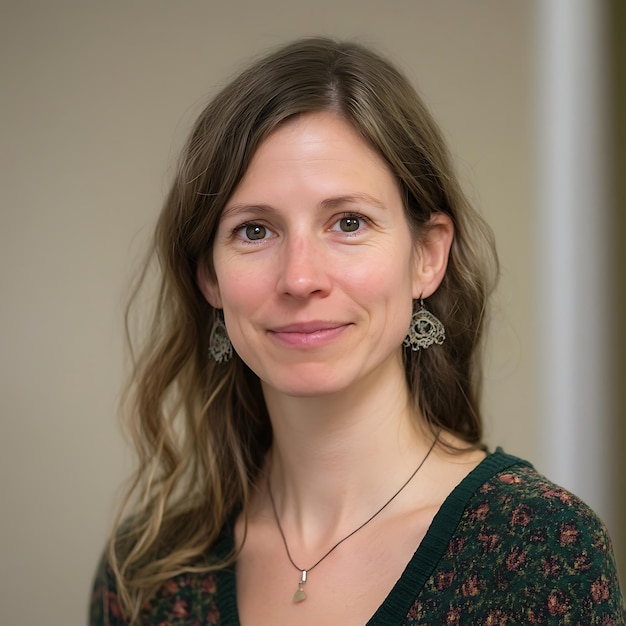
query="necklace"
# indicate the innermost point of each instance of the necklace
(300, 595)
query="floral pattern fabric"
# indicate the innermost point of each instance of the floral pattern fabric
(507, 547)
(525, 552)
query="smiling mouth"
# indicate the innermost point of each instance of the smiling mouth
(308, 334)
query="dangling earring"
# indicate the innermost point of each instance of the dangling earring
(220, 348)
(425, 330)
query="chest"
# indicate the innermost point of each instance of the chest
(345, 588)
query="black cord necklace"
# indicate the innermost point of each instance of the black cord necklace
(300, 595)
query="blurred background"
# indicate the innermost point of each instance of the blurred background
(97, 98)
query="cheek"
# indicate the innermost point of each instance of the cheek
(381, 278)
(241, 290)
(392, 285)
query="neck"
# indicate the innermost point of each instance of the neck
(337, 459)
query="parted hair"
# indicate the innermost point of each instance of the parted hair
(200, 428)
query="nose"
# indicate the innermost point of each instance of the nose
(304, 268)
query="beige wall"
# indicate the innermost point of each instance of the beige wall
(96, 100)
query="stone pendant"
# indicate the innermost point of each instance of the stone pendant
(300, 595)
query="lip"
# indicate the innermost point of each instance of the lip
(308, 334)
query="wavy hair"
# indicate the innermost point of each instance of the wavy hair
(201, 429)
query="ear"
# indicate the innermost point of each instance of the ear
(207, 283)
(431, 255)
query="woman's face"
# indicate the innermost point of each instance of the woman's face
(314, 261)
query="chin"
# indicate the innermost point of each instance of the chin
(307, 383)
(307, 389)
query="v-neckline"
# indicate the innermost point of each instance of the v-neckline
(407, 588)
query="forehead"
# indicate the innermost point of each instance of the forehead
(317, 146)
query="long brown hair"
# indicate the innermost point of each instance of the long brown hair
(201, 428)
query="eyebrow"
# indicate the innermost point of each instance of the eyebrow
(237, 208)
(353, 198)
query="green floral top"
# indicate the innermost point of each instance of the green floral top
(506, 547)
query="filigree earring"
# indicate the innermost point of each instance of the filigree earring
(425, 330)
(220, 347)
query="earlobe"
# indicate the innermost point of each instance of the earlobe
(207, 284)
(432, 255)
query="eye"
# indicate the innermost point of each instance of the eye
(254, 232)
(349, 224)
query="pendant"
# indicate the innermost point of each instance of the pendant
(300, 595)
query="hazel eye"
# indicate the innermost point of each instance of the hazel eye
(349, 224)
(254, 232)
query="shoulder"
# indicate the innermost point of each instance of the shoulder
(519, 497)
(517, 476)
(104, 606)
(188, 598)
(518, 503)
(509, 493)
(541, 549)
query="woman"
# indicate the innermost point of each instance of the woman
(306, 410)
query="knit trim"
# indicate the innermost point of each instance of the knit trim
(396, 606)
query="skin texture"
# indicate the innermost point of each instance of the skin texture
(316, 265)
